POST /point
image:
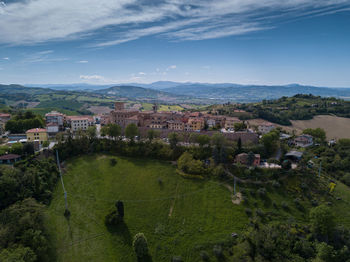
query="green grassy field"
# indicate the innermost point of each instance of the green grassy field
(179, 217)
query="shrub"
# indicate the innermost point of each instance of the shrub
(261, 192)
(304, 186)
(217, 250)
(204, 256)
(346, 179)
(314, 202)
(112, 161)
(248, 211)
(274, 204)
(298, 204)
(140, 245)
(285, 205)
(276, 184)
(176, 259)
(259, 212)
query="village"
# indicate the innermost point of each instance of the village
(165, 123)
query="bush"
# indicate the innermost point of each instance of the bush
(346, 179)
(217, 250)
(285, 205)
(304, 186)
(261, 192)
(274, 204)
(140, 245)
(276, 184)
(260, 213)
(204, 256)
(176, 259)
(248, 211)
(112, 161)
(314, 202)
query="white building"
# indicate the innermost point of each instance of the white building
(80, 122)
(265, 128)
(52, 128)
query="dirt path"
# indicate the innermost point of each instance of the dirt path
(173, 204)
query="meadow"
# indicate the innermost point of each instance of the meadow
(178, 216)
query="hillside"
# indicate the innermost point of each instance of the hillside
(285, 109)
(140, 93)
(253, 93)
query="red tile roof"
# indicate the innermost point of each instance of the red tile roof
(36, 130)
(9, 157)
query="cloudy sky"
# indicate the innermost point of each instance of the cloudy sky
(118, 41)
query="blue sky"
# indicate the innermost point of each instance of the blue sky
(238, 41)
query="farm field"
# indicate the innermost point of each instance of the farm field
(178, 216)
(335, 127)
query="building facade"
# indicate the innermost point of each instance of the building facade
(39, 134)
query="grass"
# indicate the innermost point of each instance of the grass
(201, 215)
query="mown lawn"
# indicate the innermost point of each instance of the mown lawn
(202, 212)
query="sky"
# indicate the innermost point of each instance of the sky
(270, 42)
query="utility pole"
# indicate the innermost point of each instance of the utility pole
(64, 189)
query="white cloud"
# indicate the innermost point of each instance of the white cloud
(36, 21)
(92, 77)
(172, 67)
(45, 56)
(83, 62)
(6, 58)
(142, 73)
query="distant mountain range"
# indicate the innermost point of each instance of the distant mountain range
(201, 92)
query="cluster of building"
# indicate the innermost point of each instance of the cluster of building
(176, 121)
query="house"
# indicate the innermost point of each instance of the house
(56, 118)
(39, 134)
(303, 140)
(5, 117)
(104, 120)
(52, 128)
(230, 122)
(211, 123)
(196, 123)
(295, 156)
(160, 120)
(176, 125)
(243, 159)
(80, 122)
(120, 117)
(132, 120)
(9, 158)
(266, 128)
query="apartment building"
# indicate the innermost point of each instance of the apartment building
(39, 134)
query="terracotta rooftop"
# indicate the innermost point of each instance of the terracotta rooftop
(36, 130)
(9, 157)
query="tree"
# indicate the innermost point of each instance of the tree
(91, 132)
(140, 245)
(131, 131)
(317, 133)
(151, 134)
(18, 254)
(270, 142)
(120, 208)
(202, 140)
(189, 165)
(239, 145)
(239, 126)
(173, 140)
(322, 220)
(251, 158)
(113, 130)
